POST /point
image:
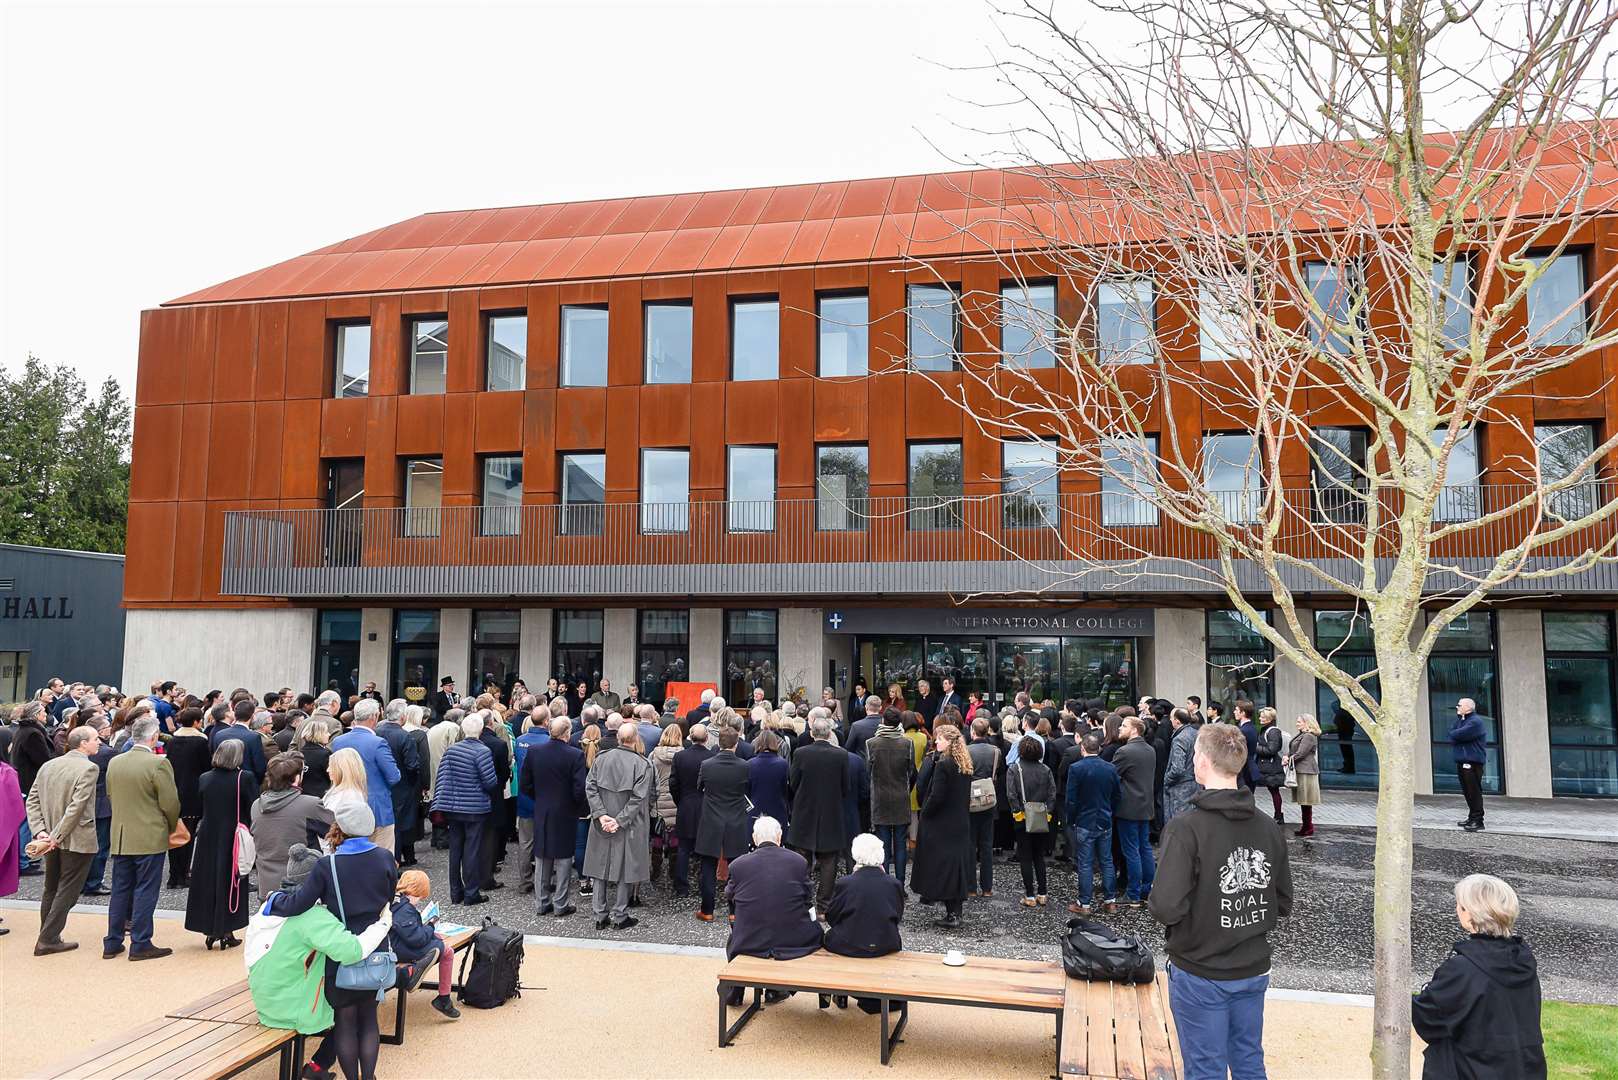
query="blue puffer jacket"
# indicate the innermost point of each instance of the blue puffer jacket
(465, 779)
(1470, 737)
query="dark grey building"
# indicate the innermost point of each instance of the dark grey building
(61, 613)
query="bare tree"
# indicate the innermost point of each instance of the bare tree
(1271, 236)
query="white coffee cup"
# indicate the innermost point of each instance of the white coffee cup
(955, 958)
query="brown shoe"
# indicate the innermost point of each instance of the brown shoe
(48, 948)
(152, 953)
(1078, 909)
(704, 916)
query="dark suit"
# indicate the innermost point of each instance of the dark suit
(687, 795)
(820, 784)
(442, 703)
(698, 715)
(859, 732)
(953, 698)
(494, 827)
(723, 830)
(864, 914)
(553, 776)
(767, 776)
(769, 892)
(407, 792)
(252, 747)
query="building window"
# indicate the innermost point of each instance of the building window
(429, 355)
(1028, 328)
(1452, 302)
(506, 357)
(415, 654)
(664, 648)
(1128, 478)
(1556, 305)
(495, 639)
(750, 481)
(1337, 477)
(1347, 757)
(1233, 475)
(1028, 480)
(577, 652)
(1462, 665)
(842, 487)
(584, 494)
(337, 653)
(424, 495)
(1221, 322)
(1337, 305)
(1565, 451)
(1579, 664)
(933, 327)
(935, 485)
(845, 335)
(668, 343)
(750, 657)
(755, 340)
(584, 346)
(1126, 320)
(351, 353)
(1241, 661)
(345, 490)
(1461, 497)
(501, 513)
(665, 491)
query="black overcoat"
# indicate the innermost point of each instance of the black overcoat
(819, 785)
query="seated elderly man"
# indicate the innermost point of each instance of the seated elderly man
(866, 909)
(769, 893)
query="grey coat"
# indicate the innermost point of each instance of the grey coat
(662, 759)
(281, 819)
(1302, 751)
(1179, 775)
(620, 787)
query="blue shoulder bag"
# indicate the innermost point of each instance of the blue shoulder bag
(375, 972)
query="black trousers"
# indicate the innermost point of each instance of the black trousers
(983, 848)
(708, 881)
(682, 866)
(494, 840)
(1471, 777)
(465, 855)
(825, 871)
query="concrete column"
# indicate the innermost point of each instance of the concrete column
(802, 652)
(376, 646)
(839, 647)
(1177, 660)
(618, 647)
(1294, 687)
(707, 644)
(203, 648)
(1525, 738)
(534, 646)
(455, 648)
(1424, 724)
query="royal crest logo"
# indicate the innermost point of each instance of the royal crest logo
(1245, 868)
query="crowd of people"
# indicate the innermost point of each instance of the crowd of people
(814, 826)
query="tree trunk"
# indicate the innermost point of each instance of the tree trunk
(1396, 751)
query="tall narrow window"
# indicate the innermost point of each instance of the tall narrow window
(1336, 305)
(576, 650)
(1029, 484)
(424, 495)
(1221, 324)
(1462, 665)
(1461, 497)
(842, 487)
(1028, 328)
(506, 357)
(1233, 475)
(1128, 476)
(1556, 306)
(429, 353)
(495, 642)
(352, 359)
(845, 335)
(933, 327)
(668, 343)
(337, 651)
(1565, 452)
(1337, 473)
(755, 340)
(1241, 661)
(584, 494)
(1347, 757)
(415, 653)
(1452, 301)
(935, 485)
(501, 513)
(664, 641)
(345, 492)
(584, 346)
(1579, 664)
(751, 484)
(665, 491)
(751, 655)
(1126, 320)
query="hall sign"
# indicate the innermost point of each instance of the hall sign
(1051, 622)
(37, 607)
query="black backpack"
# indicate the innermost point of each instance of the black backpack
(1095, 951)
(496, 957)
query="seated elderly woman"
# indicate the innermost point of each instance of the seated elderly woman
(1479, 1014)
(865, 911)
(770, 895)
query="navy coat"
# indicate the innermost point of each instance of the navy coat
(723, 828)
(864, 914)
(821, 782)
(857, 802)
(407, 790)
(767, 786)
(684, 776)
(770, 893)
(553, 776)
(252, 750)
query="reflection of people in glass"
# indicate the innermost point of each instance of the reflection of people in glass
(1343, 724)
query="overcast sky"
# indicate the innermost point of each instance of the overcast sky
(150, 151)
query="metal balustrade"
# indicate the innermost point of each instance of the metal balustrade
(1060, 545)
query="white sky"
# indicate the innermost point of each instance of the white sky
(149, 151)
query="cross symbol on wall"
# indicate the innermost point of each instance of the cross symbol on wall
(836, 619)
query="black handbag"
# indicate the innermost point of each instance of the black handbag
(1095, 951)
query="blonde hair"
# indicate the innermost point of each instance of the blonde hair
(1307, 722)
(1224, 747)
(957, 747)
(589, 741)
(347, 772)
(314, 730)
(671, 736)
(1490, 902)
(1267, 716)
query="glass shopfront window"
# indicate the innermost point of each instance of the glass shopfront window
(1347, 758)
(337, 653)
(1086, 668)
(1099, 669)
(495, 637)
(576, 650)
(1579, 664)
(751, 657)
(415, 654)
(1463, 665)
(664, 643)
(1241, 661)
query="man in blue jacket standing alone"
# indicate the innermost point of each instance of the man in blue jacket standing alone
(1469, 733)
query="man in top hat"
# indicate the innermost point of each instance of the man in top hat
(446, 698)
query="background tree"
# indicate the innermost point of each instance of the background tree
(1382, 271)
(64, 460)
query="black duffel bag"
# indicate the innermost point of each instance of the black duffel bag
(1092, 950)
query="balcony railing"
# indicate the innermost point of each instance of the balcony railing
(1058, 545)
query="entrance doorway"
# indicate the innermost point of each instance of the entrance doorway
(1087, 668)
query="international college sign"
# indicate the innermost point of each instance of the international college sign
(1039, 622)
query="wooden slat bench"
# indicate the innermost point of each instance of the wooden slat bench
(172, 1049)
(459, 941)
(1117, 1031)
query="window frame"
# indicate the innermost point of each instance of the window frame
(1439, 734)
(948, 508)
(755, 518)
(503, 519)
(1580, 257)
(1050, 514)
(847, 503)
(1609, 657)
(1003, 305)
(414, 352)
(1109, 353)
(1465, 264)
(642, 648)
(675, 521)
(1351, 286)
(1332, 500)
(563, 360)
(736, 302)
(339, 327)
(744, 702)
(910, 312)
(596, 647)
(1117, 497)
(1251, 513)
(422, 522)
(646, 309)
(489, 319)
(1267, 679)
(591, 516)
(820, 333)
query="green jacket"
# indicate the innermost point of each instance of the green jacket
(145, 802)
(288, 982)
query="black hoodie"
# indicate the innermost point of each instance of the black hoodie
(1479, 1015)
(1222, 883)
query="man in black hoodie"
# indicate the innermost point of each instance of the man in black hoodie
(1222, 883)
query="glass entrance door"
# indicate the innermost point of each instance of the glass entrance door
(964, 659)
(1100, 669)
(1031, 664)
(891, 660)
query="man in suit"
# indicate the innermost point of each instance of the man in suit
(145, 809)
(862, 729)
(381, 770)
(950, 698)
(722, 831)
(61, 807)
(240, 728)
(605, 698)
(446, 698)
(406, 792)
(927, 702)
(1242, 716)
(494, 829)
(699, 715)
(553, 776)
(819, 785)
(769, 894)
(684, 788)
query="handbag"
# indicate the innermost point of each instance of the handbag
(1093, 950)
(181, 835)
(983, 796)
(1036, 816)
(375, 972)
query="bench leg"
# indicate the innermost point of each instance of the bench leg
(889, 1041)
(727, 1034)
(398, 1035)
(1057, 1075)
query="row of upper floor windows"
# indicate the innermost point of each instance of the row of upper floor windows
(1125, 328)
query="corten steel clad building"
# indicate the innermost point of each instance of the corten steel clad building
(657, 439)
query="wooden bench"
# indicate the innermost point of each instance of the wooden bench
(1119, 1031)
(175, 1049)
(459, 941)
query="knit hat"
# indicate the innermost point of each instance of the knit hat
(355, 819)
(301, 862)
(415, 884)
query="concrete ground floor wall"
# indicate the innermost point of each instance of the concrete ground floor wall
(263, 649)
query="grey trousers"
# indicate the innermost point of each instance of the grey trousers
(65, 874)
(620, 900)
(553, 883)
(525, 850)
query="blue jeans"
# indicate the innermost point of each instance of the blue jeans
(135, 883)
(893, 839)
(580, 839)
(1137, 843)
(1094, 844)
(24, 835)
(98, 865)
(1221, 1024)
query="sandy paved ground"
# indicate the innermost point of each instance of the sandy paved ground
(594, 1013)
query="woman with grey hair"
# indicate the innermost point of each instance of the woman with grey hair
(218, 903)
(866, 909)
